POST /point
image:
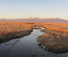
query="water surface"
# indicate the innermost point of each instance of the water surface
(26, 47)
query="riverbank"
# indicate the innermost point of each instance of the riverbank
(55, 40)
(15, 35)
(12, 30)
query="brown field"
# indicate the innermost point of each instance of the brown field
(11, 30)
(55, 39)
(11, 27)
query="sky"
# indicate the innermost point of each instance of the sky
(34, 8)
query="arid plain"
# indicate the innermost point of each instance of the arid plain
(55, 38)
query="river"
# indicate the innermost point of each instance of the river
(26, 47)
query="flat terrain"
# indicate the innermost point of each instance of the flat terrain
(55, 39)
(11, 30)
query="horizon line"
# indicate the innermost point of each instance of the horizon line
(31, 17)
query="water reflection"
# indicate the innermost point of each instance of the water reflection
(8, 46)
(26, 47)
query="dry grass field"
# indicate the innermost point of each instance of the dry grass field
(11, 27)
(55, 38)
(11, 30)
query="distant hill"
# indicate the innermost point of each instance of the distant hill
(45, 20)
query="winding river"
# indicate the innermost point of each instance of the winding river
(26, 47)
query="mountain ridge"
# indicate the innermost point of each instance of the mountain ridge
(45, 20)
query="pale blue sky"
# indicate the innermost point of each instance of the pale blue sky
(34, 8)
